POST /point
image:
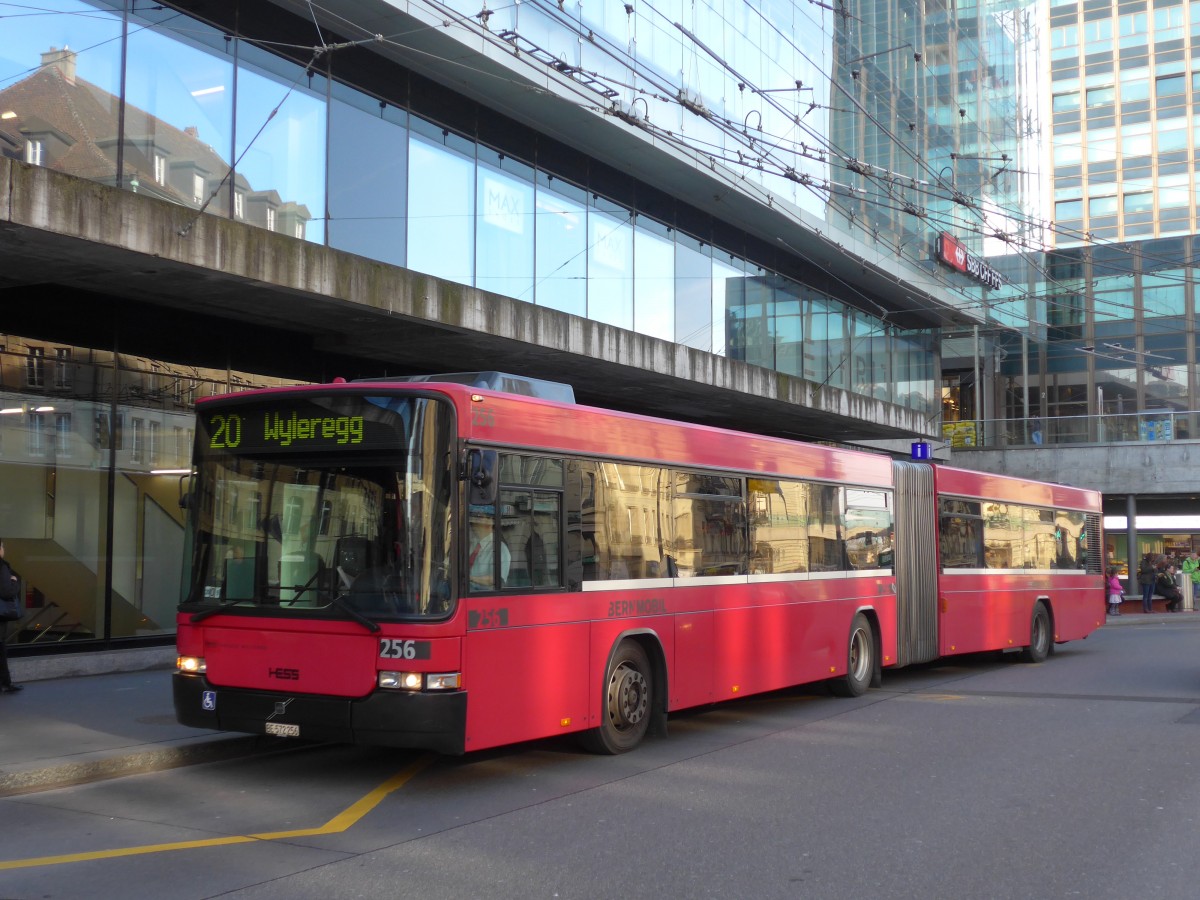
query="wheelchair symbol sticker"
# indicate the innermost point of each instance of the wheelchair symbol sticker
(209, 701)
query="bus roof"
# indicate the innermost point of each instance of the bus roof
(500, 419)
(989, 486)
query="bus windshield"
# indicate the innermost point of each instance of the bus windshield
(335, 506)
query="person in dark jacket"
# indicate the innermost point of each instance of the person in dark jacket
(1169, 589)
(9, 586)
(1146, 576)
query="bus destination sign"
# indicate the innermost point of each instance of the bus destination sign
(297, 429)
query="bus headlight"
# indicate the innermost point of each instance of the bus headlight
(190, 665)
(419, 681)
(401, 681)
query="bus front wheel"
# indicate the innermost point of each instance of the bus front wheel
(627, 702)
(860, 660)
(1039, 635)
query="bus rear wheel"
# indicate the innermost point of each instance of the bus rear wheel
(860, 660)
(627, 702)
(1039, 635)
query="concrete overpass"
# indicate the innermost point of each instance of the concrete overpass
(87, 264)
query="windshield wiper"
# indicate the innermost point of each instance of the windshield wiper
(211, 611)
(370, 624)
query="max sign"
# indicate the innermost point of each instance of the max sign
(952, 252)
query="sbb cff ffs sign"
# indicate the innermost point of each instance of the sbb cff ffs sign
(952, 252)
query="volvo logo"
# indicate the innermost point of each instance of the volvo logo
(280, 708)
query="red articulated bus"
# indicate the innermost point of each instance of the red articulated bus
(440, 565)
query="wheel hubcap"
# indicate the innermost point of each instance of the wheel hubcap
(859, 656)
(628, 697)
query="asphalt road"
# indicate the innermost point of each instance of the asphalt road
(980, 778)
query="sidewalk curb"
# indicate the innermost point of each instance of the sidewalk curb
(100, 662)
(102, 766)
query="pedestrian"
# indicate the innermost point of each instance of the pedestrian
(482, 559)
(1115, 593)
(10, 589)
(1191, 571)
(1146, 576)
(1168, 588)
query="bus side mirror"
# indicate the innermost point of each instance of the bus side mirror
(481, 473)
(185, 492)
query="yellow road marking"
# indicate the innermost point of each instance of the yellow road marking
(339, 823)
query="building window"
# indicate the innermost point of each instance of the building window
(138, 450)
(155, 443)
(1143, 201)
(62, 434)
(1068, 209)
(1066, 102)
(35, 153)
(270, 219)
(37, 434)
(1169, 86)
(239, 205)
(62, 367)
(103, 438)
(35, 368)
(160, 168)
(198, 188)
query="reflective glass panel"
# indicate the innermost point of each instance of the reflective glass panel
(60, 65)
(728, 273)
(789, 328)
(441, 210)
(751, 321)
(693, 293)
(654, 281)
(280, 149)
(179, 113)
(562, 241)
(504, 226)
(368, 179)
(56, 438)
(610, 264)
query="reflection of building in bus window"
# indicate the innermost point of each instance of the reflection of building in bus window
(482, 557)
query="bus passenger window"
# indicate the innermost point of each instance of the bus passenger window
(869, 536)
(962, 546)
(530, 523)
(825, 549)
(709, 519)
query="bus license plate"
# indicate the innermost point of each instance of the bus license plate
(283, 730)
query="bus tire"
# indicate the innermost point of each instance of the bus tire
(1040, 638)
(860, 660)
(627, 702)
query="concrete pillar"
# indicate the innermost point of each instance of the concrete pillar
(1131, 542)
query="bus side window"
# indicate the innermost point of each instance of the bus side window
(530, 526)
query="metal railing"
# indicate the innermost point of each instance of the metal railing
(1148, 427)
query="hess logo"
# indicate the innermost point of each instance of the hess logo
(284, 674)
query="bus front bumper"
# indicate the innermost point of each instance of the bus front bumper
(427, 721)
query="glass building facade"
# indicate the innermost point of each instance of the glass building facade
(231, 119)
(93, 447)
(1109, 315)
